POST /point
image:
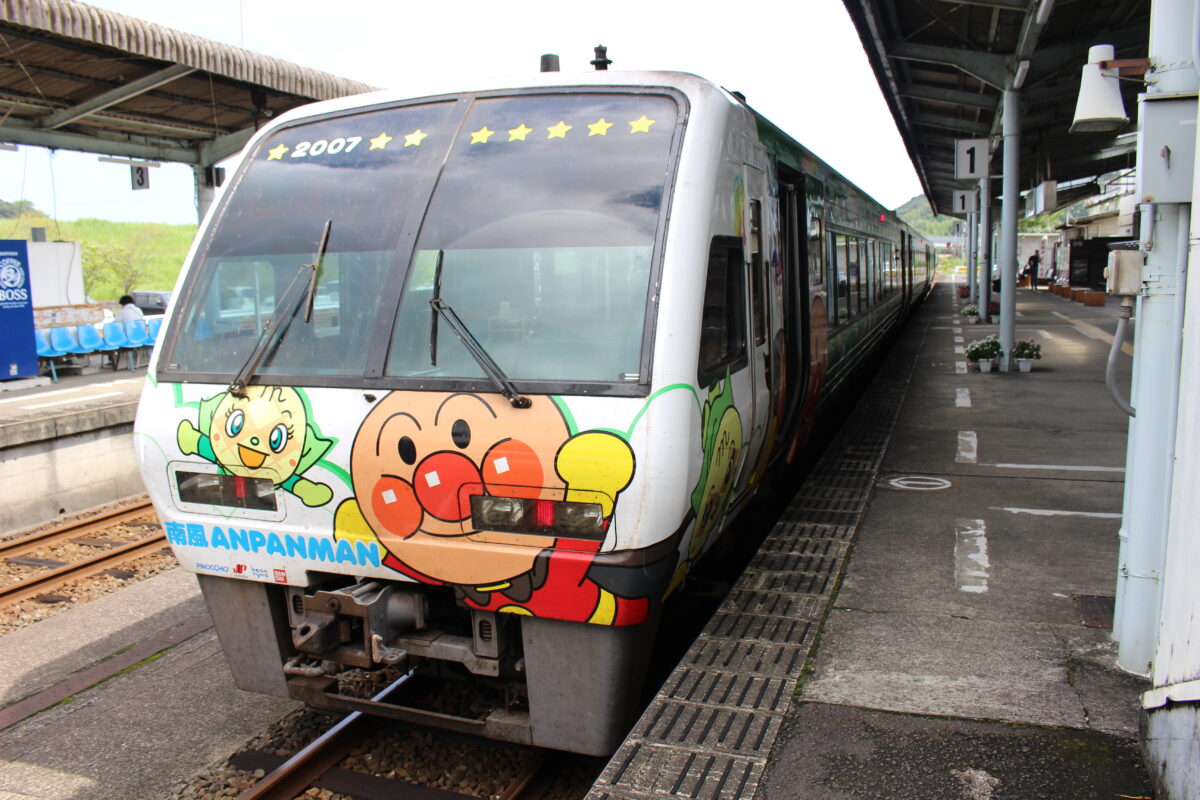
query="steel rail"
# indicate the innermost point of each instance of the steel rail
(70, 530)
(38, 584)
(293, 776)
(313, 765)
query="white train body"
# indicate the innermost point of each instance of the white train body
(652, 272)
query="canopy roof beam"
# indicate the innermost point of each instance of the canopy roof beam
(117, 95)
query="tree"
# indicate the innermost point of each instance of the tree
(104, 266)
(13, 210)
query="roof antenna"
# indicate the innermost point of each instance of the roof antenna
(550, 63)
(601, 61)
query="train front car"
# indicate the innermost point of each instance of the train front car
(423, 400)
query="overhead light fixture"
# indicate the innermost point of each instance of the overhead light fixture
(1043, 12)
(128, 162)
(1099, 107)
(1022, 71)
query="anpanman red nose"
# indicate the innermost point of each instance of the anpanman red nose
(439, 480)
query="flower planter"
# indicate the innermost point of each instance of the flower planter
(972, 320)
(1025, 364)
(985, 365)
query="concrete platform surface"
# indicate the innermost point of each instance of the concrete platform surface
(77, 403)
(135, 735)
(954, 662)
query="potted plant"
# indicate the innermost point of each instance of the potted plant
(984, 353)
(970, 313)
(1025, 353)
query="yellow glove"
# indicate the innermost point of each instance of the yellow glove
(188, 438)
(596, 466)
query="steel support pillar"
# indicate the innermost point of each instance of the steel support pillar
(1170, 96)
(205, 194)
(972, 239)
(1011, 198)
(983, 295)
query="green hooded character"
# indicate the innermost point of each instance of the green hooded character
(266, 434)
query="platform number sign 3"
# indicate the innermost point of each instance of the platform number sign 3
(139, 176)
(971, 158)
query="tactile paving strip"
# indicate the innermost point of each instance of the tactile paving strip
(708, 732)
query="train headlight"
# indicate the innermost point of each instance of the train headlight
(581, 520)
(497, 513)
(544, 517)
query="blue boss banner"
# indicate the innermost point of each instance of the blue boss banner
(18, 351)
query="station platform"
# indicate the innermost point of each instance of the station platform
(930, 616)
(67, 447)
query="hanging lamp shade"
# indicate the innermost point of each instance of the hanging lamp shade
(1099, 107)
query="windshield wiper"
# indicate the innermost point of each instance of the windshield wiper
(285, 310)
(316, 270)
(477, 351)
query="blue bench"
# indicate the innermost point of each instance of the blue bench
(66, 341)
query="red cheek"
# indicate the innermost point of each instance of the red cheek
(216, 437)
(516, 467)
(292, 461)
(395, 506)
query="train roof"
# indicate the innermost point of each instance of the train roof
(698, 89)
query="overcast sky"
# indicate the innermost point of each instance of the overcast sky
(799, 62)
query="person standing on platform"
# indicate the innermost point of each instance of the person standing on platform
(1031, 269)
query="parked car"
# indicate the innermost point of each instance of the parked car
(151, 302)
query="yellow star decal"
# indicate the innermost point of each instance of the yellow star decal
(482, 135)
(599, 127)
(380, 141)
(276, 152)
(559, 131)
(415, 138)
(641, 125)
(519, 134)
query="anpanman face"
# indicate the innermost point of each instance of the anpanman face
(418, 458)
(260, 435)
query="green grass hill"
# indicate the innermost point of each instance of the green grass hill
(117, 256)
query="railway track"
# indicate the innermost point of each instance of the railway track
(103, 559)
(315, 766)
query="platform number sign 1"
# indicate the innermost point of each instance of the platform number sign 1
(139, 175)
(964, 202)
(971, 158)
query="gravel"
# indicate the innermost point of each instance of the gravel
(475, 768)
(83, 590)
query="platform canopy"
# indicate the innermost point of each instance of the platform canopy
(76, 77)
(943, 65)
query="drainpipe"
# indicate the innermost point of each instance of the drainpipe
(1008, 225)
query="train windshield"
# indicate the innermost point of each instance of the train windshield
(544, 224)
(536, 215)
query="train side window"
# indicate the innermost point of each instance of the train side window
(842, 246)
(877, 271)
(866, 274)
(816, 236)
(723, 320)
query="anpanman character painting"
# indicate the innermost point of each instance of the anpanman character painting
(266, 434)
(420, 457)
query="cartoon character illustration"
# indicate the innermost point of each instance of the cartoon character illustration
(266, 434)
(721, 428)
(419, 458)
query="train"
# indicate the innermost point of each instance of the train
(468, 384)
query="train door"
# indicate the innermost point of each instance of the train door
(793, 349)
(761, 319)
